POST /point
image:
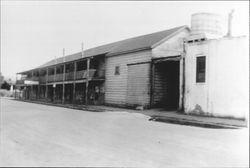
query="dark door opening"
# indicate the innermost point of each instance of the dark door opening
(68, 94)
(166, 85)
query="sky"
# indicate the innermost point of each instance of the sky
(34, 32)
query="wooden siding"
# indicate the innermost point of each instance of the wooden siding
(116, 85)
(138, 93)
(160, 86)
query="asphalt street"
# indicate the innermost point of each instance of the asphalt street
(39, 135)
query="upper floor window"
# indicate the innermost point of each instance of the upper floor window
(200, 69)
(117, 70)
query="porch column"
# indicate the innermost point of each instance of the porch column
(54, 85)
(74, 84)
(46, 86)
(87, 82)
(63, 89)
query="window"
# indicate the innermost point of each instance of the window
(117, 70)
(200, 69)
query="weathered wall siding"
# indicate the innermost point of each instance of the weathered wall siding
(139, 85)
(226, 90)
(116, 85)
(172, 47)
(160, 86)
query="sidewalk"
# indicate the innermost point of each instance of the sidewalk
(163, 116)
(183, 119)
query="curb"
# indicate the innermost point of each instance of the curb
(196, 123)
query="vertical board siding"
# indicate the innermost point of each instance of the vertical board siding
(160, 86)
(138, 85)
(116, 85)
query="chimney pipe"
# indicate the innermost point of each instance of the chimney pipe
(82, 51)
(230, 16)
(63, 55)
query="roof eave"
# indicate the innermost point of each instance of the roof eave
(128, 51)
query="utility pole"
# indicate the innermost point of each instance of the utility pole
(230, 17)
(82, 50)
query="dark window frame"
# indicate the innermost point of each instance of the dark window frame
(201, 69)
(117, 70)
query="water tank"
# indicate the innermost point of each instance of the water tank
(210, 24)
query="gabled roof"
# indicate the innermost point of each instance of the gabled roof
(120, 47)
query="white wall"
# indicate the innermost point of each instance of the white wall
(226, 90)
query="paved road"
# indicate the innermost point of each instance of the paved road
(39, 135)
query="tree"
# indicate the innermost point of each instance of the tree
(5, 85)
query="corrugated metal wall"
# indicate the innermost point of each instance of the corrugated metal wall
(116, 85)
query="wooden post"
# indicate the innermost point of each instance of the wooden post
(32, 85)
(38, 86)
(63, 91)
(152, 84)
(87, 82)
(54, 85)
(46, 86)
(182, 79)
(16, 86)
(74, 83)
(181, 84)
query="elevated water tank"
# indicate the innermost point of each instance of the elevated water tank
(210, 24)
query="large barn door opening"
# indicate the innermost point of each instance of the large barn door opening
(166, 85)
(138, 85)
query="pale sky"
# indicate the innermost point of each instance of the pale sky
(33, 33)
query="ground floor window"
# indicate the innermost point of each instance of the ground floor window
(200, 69)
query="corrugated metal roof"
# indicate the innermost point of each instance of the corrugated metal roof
(128, 45)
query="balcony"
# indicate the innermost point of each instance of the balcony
(93, 73)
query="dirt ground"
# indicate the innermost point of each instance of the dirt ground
(40, 135)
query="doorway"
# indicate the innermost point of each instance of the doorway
(166, 84)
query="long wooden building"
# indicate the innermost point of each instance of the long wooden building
(140, 71)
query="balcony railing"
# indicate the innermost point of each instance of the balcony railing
(93, 74)
(59, 77)
(42, 79)
(50, 78)
(81, 74)
(20, 82)
(69, 76)
(100, 73)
